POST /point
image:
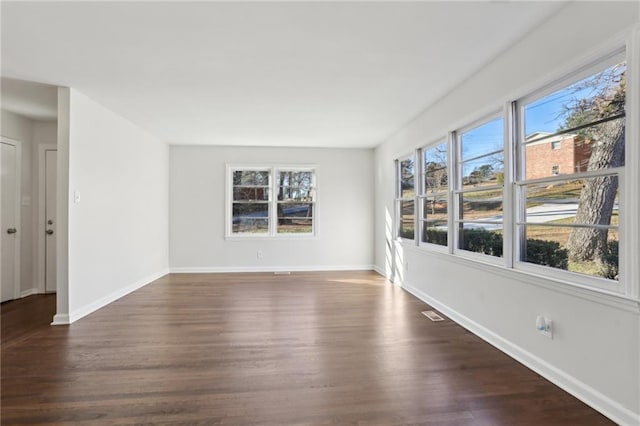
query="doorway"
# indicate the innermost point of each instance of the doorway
(10, 157)
(47, 228)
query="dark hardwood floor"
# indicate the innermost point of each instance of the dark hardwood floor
(339, 348)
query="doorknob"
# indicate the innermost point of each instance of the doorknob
(12, 231)
(49, 231)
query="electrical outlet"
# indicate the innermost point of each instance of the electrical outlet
(406, 266)
(259, 254)
(544, 326)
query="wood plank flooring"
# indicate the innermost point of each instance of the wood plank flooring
(336, 348)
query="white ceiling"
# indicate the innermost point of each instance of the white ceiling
(345, 74)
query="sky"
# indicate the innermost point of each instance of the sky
(546, 114)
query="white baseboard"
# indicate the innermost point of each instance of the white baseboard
(383, 272)
(234, 269)
(61, 319)
(112, 297)
(570, 384)
(29, 292)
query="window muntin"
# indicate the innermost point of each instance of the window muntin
(261, 207)
(405, 201)
(480, 187)
(569, 198)
(434, 194)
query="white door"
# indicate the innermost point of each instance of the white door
(10, 218)
(51, 195)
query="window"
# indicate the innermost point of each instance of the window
(270, 201)
(405, 197)
(570, 221)
(479, 188)
(295, 202)
(538, 188)
(434, 194)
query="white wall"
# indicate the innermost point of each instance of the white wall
(118, 232)
(197, 211)
(595, 352)
(20, 128)
(30, 134)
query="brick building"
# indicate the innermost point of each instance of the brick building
(562, 154)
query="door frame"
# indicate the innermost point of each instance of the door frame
(16, 262)
(41, 227)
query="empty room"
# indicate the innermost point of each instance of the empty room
(313, 213)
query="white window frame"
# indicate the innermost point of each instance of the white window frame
(422, 195)
(520, 183)
(456, 189)
(626, 46)
(398, 200)
(272, 202)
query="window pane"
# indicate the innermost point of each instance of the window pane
(251, 178)
(407, 216)
(295, 178)
(587, 251)
(480, 239)
(295, 226)
(484, 170)
(592, 201)
(250, 210)
(483, 139)
(295, 210)
(482, 205)
(242, 193)
(250, 226)
(592, 148)
(434, 221)
(435, 168)
(435, 233)
(293, 193)
(250, 218)
(434, 209)
(407, 178)
(596, 97)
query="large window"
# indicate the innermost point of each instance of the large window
(568, 194)
(434, 194)
(539, 187)
(271, 201)
(405, 197)
(479, 188)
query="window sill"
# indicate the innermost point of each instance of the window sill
(270, 237)
(596, 295)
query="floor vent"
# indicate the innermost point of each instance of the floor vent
(432, 316)
(282, 273)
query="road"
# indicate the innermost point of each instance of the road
(543, 213)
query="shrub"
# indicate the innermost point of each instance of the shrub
(482, 241)
(435, 236)
(407, 233)
(540, 252)
(609, 266)
(547, 253)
